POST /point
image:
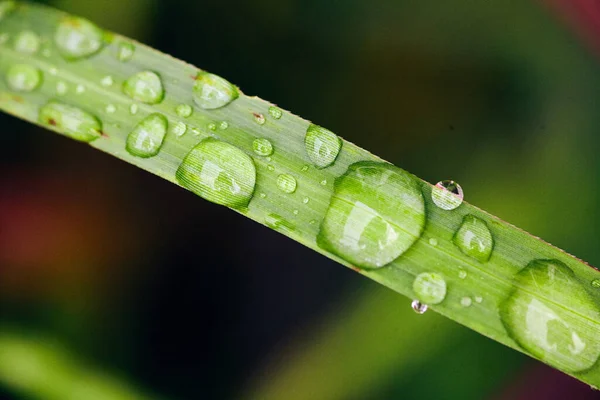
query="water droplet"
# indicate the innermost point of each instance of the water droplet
(125, 51)
(212, 126)
(218, 172)
(133, 109)
(305, 200)
(322, 146)
(262, 147)
(433, 241)
(263, 195)
(279, 223)
(270, 167)
(466, 302)
(183, 110)
(275, 112)
(430, 287)
(6, 7)
(224, 125)
(419, 307)
(462, 274)
(110, 108)
(596, 283)
(295, 212)
(72, 121)
(447, 195)
(145, 86)
(107, 81)
(551, 315)
(478, 299)
(212, 91)
(259, 119)
(376, 213)
(304, 168)
(312, 221)
(77, 38)
(61, 88)
(179, 128)
(146, 139)
(53, 71)
(23, 77)
(324, 182)
(286, 183)
(27, 42)
(196, 131)
(80, 89)
(474, 238)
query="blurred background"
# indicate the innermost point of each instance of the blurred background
(115, 284)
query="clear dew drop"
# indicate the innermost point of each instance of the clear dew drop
(466, 301)
(270, 167)
(596, 283)
(72, 121)
(430, 287)
(322, 146)
(259, 118)
(462, 274)
(211, 91)
(376, 213)
(145, 86)
(80, 89)
(305, 200)
(110, 109)
(77, 38)
(61, 88)
(535, 316)
(263, 195)
(478, 299)
(262, 147)
(23, 77)
(133, 109)
(146, 139)
(295, 212)
(223, 125)
(212, 126)
(275, 112)
(53, 71)
(419, 307)
(125, 51)
(219, 172)
(107, 81)
(474, 238)
(433, 242)
(324, 182)
(286, 183)
(277, 222)
(447, 195)
(6, 7)
(183, 110)
(27, 42)
(179, 128)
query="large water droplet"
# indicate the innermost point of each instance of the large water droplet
(551, 315)
(262, 147)
(275, 112)
(146, 139)
(419, 307)
(430, 287)
(447, 195)
(286, 183)
(474, 238)
(179, 128)
(77, 38)
(23, 77)
(145, 86)
(6, 7)
(27, 42)
(212, 91)
(218, 172)
(125, 51)
(376, 213)
(72, 121)
(322, 146)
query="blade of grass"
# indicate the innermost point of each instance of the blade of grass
(351, 206)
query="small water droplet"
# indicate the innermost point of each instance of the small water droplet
(53, 71)
(312, 221)
(305, 200)
(275, 112)
(304, 168)
(179, 128)
(322, 146)
(474, 238)
(262, 147)
(286, 183)
(466, 302)
(110, 108)
(324, 182)
(219, 172)
(61, 88)
(259, 119)
(107, 81)
(552, 316)
(377, 212)
(419, 307)
(80, 89)
(196, 131)
(133, 109)
(430, 287)
(27, 42)
(478, 299)
(596, 283)
(125, 51)
(23, 77)
(145, 86)
(447, 195)
(146, 139)
(224, 125)
(72, 121)
(77, 38)
(211, 91)
(270, 167)
(6, 7)
(183, 110)
(263, 195)
(295, 212)
(277, 222)
(212, 126)
(433, 241)
(462, 274)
